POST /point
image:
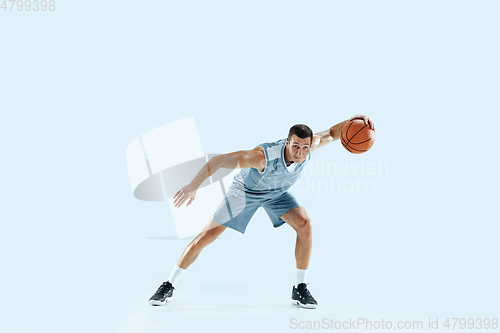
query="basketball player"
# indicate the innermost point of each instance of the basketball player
(268, 171)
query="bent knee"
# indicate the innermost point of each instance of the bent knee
(304, 225)
(205, 237)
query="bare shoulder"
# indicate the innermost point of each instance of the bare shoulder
(253, 158)
(259, 151)
(321, 139)
(257, 158)
(315, 142)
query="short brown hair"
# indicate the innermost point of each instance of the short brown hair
(300, 130)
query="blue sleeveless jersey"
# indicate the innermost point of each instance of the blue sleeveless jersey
(275, 180)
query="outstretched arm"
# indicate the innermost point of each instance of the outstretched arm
(242, 159)
(321, 139)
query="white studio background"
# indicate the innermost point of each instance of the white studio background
(417, 240)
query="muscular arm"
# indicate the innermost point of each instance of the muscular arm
(321, 139)
(242, 159)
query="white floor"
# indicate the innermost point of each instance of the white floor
(102, 282)
(231, 311)
(214, 293)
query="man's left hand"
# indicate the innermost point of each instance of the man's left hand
(365, 119)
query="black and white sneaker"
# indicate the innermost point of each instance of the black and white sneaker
(163, 294)
(302, 297)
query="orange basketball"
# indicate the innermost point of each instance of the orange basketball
(357, 137)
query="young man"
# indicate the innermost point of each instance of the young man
(268, 171)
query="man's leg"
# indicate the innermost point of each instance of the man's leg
(210, 232)
(298, 219)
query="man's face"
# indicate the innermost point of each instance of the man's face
(298, 148)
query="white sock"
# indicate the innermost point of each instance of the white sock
(301, 276)
(175, 275)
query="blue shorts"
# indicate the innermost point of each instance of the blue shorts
(238, 207)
